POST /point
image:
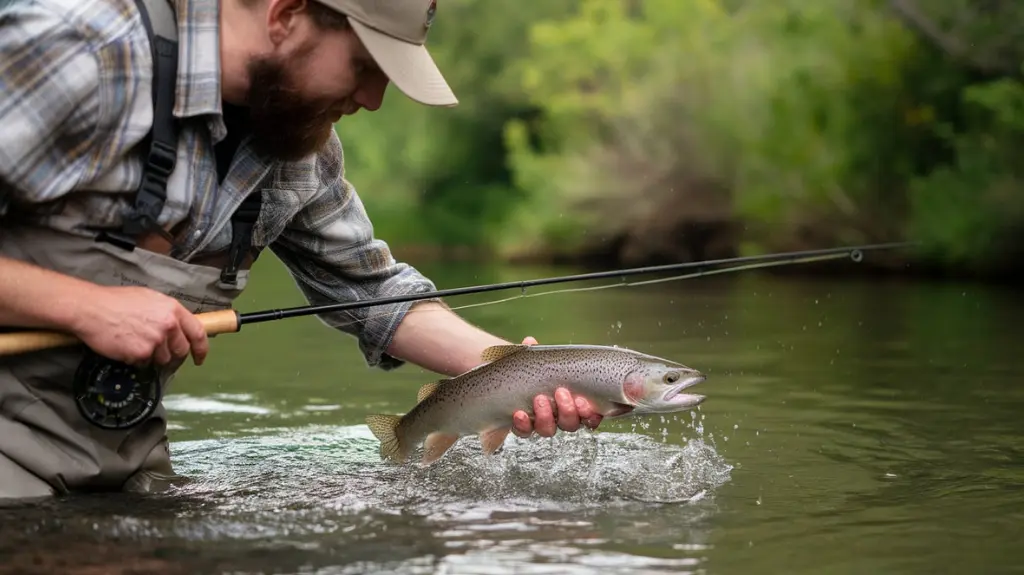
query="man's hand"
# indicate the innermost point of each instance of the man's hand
(139, 326)
(135, 325)
(571, 412)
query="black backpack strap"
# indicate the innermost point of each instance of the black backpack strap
(161, 26)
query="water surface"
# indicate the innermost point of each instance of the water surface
(852, 426)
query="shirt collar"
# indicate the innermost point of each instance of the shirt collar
(199, 85)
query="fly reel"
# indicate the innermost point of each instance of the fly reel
(114, 395)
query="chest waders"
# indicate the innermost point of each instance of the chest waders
(71, 420)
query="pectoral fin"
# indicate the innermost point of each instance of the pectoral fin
(618, 410)
(492, 439)
(436, 445)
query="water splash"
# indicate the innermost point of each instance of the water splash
(572, 471)
(341, 467)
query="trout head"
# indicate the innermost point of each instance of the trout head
(656, 387)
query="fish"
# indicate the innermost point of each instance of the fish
(617, 381)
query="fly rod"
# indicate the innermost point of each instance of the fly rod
(230, 321)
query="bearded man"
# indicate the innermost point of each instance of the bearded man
(140, 178)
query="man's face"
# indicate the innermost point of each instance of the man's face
(313, 77)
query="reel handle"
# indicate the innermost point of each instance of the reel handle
(15, 343)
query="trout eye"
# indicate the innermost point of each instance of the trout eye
(671, 377)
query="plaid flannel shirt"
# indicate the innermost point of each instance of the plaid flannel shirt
(76, 79)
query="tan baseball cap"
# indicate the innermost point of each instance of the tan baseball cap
(394, 32)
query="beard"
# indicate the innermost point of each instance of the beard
(285, 125)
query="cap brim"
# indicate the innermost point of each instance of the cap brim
(409, 66)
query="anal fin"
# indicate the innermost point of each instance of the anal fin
(492, 439)
(436, 445)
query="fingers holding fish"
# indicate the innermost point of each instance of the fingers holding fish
(566, 413)
(543, 416)
(542, 422)
(588, 415)
(522, 425)
(568, 418)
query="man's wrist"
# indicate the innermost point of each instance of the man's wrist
(434, 337)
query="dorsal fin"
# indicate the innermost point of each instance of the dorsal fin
(496, 352)
(428, 389)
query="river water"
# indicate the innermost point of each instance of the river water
(852, 426)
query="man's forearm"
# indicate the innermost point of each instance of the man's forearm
(436, 338)
(34, 297)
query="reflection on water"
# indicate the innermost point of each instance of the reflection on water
(850, 427)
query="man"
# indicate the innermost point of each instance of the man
(259, 85)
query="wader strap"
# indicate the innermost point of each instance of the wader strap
(243, 221)
(161, 26)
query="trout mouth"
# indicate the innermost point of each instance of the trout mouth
(673, 395)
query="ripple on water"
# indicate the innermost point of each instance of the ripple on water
(319, 499)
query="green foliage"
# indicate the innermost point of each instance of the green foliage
(585, 124)
(971, 212)
(434, 175)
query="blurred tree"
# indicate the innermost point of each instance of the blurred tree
(675, 129)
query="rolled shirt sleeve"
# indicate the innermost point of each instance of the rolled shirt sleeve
(332, 254)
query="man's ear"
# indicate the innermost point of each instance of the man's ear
(283, 18)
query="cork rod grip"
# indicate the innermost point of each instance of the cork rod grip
(218, 322)
(14, 343)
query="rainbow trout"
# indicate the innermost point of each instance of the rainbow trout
(616, 381)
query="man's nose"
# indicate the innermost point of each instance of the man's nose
(371, 91)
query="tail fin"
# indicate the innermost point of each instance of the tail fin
(384, 428)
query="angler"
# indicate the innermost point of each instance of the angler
(149, 152)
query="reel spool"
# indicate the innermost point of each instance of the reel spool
(113, 395)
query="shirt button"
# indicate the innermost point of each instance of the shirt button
(196, 234)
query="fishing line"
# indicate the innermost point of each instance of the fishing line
(700, 273)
